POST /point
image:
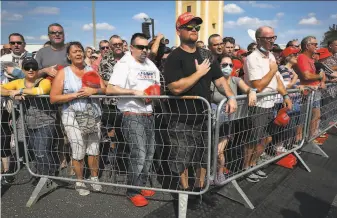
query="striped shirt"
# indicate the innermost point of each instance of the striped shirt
(288, 75)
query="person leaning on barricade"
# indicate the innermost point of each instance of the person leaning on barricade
(189, 71)
(261, 73)
(134, 75)
(80, 115)
(38, 116)
(309, 77)
(229, 130)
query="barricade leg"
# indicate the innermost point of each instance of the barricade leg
(302, 161)
(234, 192)
(182, 210)
(44, 186)
(314, 149)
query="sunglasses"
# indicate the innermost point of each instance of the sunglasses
(269, 39)
(191, 27)
(117, 45)
(93, 57)
(56, 32)
(18, 43)
(104, 48)
(219, 44)
(141, 47)
(227, 64)
(297, 46)
(29, 67)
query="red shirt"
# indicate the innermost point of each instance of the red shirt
(304, 63)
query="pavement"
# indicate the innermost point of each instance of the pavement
(286, 193)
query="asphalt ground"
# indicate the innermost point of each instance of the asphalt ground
(286, 193)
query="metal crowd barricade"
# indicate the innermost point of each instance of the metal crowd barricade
(54, 128)
(245, 137)
(323, 116)
(9, 142)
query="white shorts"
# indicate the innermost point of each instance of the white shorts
(80, 144)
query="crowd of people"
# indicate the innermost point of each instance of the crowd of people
(72, 75)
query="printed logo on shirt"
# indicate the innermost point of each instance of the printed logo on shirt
(146, 75)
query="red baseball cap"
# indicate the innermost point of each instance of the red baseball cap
(289, 51)
(282, 118)
(241, 52)
(323, 53)
(186, 18)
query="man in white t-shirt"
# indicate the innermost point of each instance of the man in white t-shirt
(133, 74)
(261, 73)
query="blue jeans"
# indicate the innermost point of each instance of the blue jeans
(138, 131)
(41, 141)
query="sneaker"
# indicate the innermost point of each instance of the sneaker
(261, 174)
(139, 200)
(96, 187)
(82, 189)
(281, 150)
(147, 193)
(252, 178)
(8, 179)
(220, 179)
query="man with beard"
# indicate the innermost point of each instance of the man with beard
(216, 45)
(49, 57)
(189, 71)
(132, 75)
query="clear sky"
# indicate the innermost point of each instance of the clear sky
(291, 19)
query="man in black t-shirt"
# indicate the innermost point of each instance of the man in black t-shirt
(189, 71)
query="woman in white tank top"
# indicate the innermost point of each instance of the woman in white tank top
(80, 114)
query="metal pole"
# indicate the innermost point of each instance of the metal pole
(94, 22)
(152, 23)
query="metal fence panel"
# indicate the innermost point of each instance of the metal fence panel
(150, 150)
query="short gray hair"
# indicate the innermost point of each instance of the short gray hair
(115, 37)
(305, 42)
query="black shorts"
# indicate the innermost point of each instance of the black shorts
(189, 146)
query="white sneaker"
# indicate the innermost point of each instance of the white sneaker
(95, 187)
(82, 189)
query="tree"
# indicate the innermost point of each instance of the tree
(331, 34)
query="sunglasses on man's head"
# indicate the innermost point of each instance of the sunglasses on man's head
(226, 64)
(28, 67)
(104, 48)
(13, 43)
(191, 27)
(55, 32)
(141, 47)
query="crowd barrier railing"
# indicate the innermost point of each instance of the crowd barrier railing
(323, 116)
(161, 148)
(53, 141)
(9, 144)
(249, 139)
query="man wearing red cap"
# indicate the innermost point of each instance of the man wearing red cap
(189, 71)
(332, 61)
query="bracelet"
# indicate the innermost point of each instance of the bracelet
(286, 96)
(253, 90)
(100, 91)
(231, 97)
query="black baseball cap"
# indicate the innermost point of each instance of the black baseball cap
(29, 60)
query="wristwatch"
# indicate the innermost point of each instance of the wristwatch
(253, 90)
(286, 96)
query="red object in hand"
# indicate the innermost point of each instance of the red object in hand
(282, 118)
(152, 90)
(91, 79)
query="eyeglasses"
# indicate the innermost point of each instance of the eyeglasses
(104, 48)
(56, 32)
(226, 64)
(141, 47)
(269, 39)
(117, 45)
(29, 67)
(294, 55)
(219, 44)
(191, 27)
(93, 57)
(13, 43)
